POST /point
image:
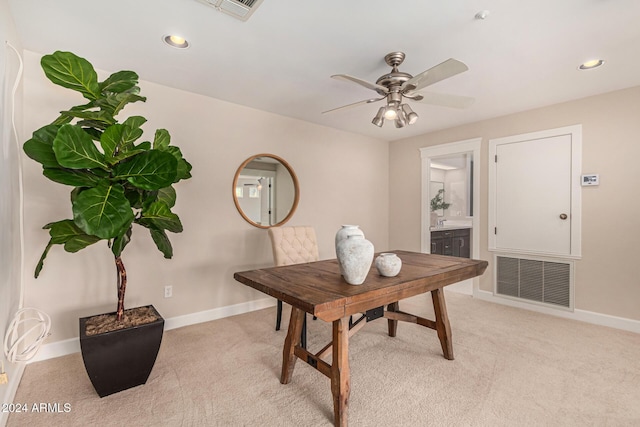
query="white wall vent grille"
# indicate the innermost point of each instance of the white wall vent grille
(535, 280)
(241, 9)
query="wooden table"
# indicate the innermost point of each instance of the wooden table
(319, 289)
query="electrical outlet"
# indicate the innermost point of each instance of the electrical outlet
(168, 291)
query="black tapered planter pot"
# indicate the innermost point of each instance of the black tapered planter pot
(121, 359)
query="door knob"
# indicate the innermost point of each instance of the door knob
(563, 216)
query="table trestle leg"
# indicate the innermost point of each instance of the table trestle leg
(291, 343)
(340, 373)
(393, 323)
(440, 325)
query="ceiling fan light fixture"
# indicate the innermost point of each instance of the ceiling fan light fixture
(391, 112)
(411, 116)
(397, 85)
(378, 120)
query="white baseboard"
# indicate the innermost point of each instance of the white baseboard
(72, 345)
(218, 313)
(581, 315)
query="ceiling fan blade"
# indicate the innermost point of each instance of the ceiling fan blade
(366, 101)
(373, 86)
(444, 70)
(444, 100)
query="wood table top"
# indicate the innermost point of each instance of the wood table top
(319, 289)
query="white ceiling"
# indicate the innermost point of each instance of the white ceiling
(523, 56)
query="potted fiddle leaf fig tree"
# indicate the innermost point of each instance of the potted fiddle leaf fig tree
(116, 181)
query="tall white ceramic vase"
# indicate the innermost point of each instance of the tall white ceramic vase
(355, 255)
(343, 233)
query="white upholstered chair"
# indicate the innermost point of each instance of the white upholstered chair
(293, 245)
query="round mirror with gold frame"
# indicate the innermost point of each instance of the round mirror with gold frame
(266, 190)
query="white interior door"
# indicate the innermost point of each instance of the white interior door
(533, 195)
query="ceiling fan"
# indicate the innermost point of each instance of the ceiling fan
(396, 85)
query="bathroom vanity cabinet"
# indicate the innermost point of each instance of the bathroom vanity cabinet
(454, 242)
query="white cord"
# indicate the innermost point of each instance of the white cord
(20, 183)
(40, 324)
(15, 338)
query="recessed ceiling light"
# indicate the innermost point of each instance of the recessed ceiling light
(176, 41)
(482, 15)
(594, 63)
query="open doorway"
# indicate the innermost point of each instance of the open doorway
(450, 203)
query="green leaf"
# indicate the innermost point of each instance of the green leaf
(110, 139)
(74, 177)
(75, 192)
(168, 196)
(114, 103)
(40, 146)
(162, 242)
(75, 149)
(117, 143)
(93, 129)
(162, 139)
(184, 167)
(103, 211)
(134, 196)
(150, 170)
(160, 216)
(41, 261)
(146, 146)
(119, 82)
(102, 118)
(67, 232)
(135, 122)
(120, 242)
(129, 136)
(63, 119)
(184, 170)
(68, 70)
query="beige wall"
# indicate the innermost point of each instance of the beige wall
(607, 279)
(343, 179)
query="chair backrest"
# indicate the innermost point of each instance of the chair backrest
(293, 245)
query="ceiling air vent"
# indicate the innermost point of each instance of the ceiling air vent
(241, 9)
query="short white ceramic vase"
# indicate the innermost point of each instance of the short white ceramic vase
(355, 255)
(388, 264)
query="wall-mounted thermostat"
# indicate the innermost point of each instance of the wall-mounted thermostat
(591, 179)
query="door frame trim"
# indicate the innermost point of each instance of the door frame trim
(575, 131)
(460, 147)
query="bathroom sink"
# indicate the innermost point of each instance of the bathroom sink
(452, 225)
(449, 227)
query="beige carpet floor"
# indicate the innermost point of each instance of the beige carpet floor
(512, 368)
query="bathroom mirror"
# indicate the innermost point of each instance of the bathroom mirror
(265, 190)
